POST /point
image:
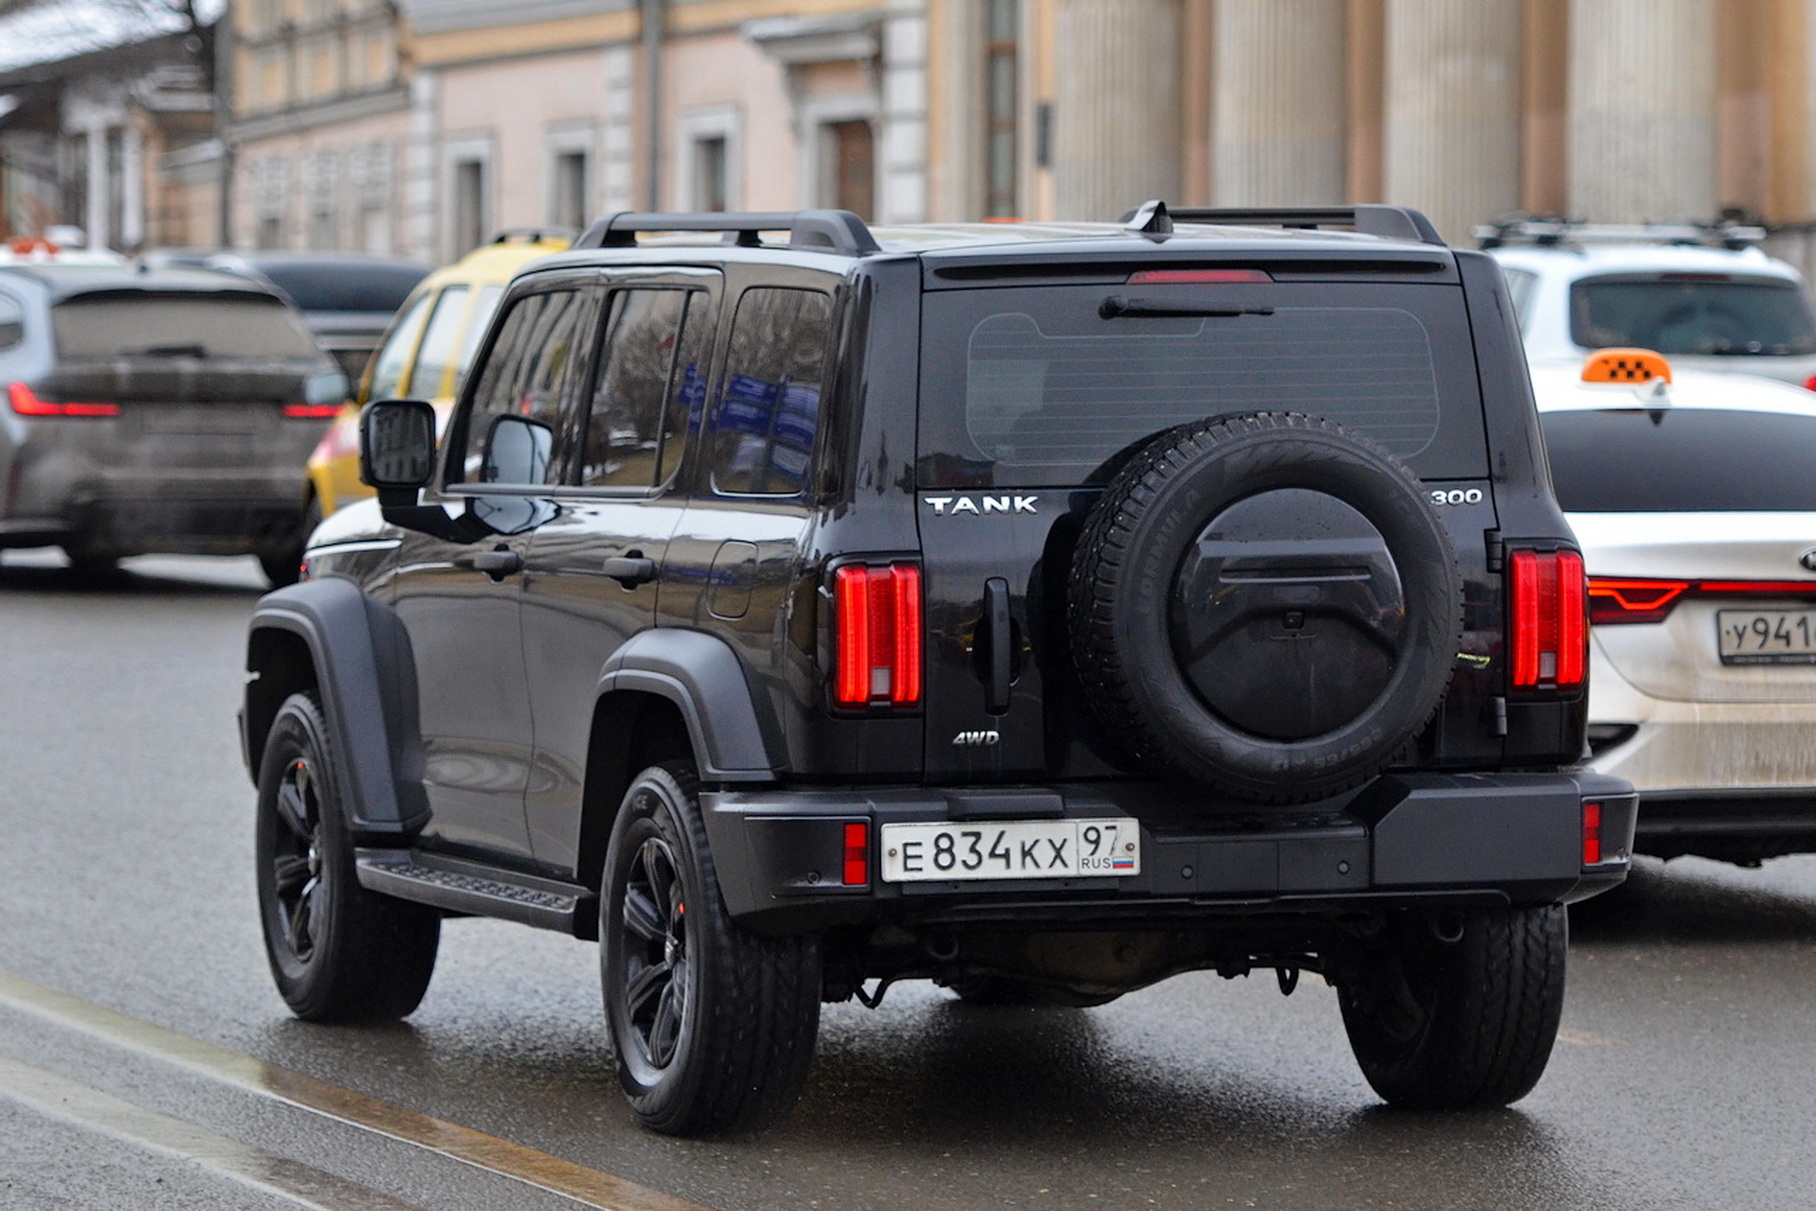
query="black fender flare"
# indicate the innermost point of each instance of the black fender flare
(359, 652)
(733, 738)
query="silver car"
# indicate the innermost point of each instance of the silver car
(156, 411)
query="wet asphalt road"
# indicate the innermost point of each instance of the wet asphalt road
(1685, 1075)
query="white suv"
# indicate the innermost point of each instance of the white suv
(1706, 297)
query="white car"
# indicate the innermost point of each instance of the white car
(1693, 496)
(1706, 297)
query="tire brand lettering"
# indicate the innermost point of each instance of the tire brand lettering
(952, 506)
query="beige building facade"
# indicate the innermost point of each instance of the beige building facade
(422, 127)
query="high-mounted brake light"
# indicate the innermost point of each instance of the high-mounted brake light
(312, 411)
(1550, 632)
(25, 402)
(878, 611)
(1190, 277)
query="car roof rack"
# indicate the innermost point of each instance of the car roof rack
(825, 230)
(1389, 222)
(531, 235)
(1554, 231)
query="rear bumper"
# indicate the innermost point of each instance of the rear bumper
(1507, 839)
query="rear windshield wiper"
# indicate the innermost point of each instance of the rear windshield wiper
(170, 351)
(1121, 304)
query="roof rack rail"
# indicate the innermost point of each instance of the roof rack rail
(831, 230)
(1388, 222)
(530, 235)
(1555, 231)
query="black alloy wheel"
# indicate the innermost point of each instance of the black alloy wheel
(338, 952)
(713, 1024)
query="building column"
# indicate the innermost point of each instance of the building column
(1116, 108)
(902, 137)
(1278, 102)
(1452, 128)
(1643, 110)
(422, 160)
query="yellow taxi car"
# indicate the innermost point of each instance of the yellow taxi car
(425, 353)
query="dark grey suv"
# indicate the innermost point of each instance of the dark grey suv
(1041, 611)
(156, 411)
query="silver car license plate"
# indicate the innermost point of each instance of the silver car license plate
(1766, 636)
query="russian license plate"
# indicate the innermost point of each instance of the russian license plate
(1766, 636)
(1011, 849)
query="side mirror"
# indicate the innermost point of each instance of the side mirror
(397, 448)
(517, 451)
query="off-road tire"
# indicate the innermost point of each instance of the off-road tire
(1122, 587)
(714, 1025)
(1462, 1015)
(338, 952)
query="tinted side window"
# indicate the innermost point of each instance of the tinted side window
(1681, 460)
(628, 426)
(12, 322)
(484, 308)
(437, 350)
(393, 357)
(527, 376)
(769, 408)
(1521, 284)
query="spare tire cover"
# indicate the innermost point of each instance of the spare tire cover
(1267, 604)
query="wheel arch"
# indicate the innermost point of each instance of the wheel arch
(669, 694)
(328, 636)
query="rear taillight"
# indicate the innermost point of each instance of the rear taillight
(878, 612)
(312, 411)
(1549, 636)
(1614, 601)
(1592, 834)
(25, 402)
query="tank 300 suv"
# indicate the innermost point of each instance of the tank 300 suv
(1038, 610)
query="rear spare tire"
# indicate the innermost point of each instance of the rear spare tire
(1266, 604)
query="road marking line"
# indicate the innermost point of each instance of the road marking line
(451, 1140)
(67, 1101)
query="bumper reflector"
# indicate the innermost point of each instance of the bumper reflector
(1592, 834)
(857, 855)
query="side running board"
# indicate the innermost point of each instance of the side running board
(479, 890)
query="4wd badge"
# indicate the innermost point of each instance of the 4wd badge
(944, 506)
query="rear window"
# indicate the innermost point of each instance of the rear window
(152, 324)
(344, 285)
(1693, 313)
(1681, 461)
(1034, 386)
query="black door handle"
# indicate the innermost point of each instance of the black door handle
(497, 564)
(630, 570)
(999, 655)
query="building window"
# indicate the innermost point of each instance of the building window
(568, 175)
(1002, 86)
(707, 166)
(469, 214)
(710, 169)
(849, 167)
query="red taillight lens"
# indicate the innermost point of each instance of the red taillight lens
(1809, 384)
(879, 635)
(312, 411)
(1614, 601)
(1592, 834)
(857, 855)
(25, 402)
(1550, 631)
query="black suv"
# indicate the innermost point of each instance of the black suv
(1042, 610)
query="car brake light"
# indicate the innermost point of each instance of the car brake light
(1189, 277)
(1550, 632)
(25, 402)
(879, 635)
(312, 411)
(1809, 384)
(1592, 834)
(1613, 601)
(857, 854)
